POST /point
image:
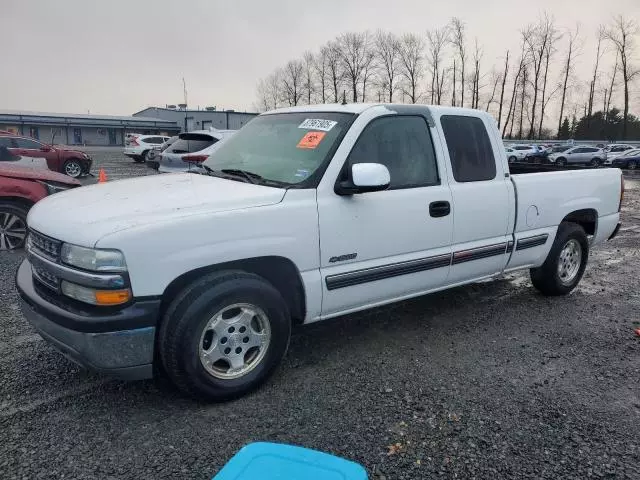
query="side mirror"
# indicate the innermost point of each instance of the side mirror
(45, 148)
(365, 177)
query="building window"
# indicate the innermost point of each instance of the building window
(77, 136)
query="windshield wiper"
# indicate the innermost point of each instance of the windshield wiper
(249, 176)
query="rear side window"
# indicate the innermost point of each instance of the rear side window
(6, 142)
(191, 142)
(157, 140)
(402, 144)
(469, 147)
(27, 144)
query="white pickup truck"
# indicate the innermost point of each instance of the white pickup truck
(307, 213)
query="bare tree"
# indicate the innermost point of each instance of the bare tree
(495, 79)
(548, 53)
(523, 95)
(537, 38)
(475, 79)
(334, 70)
(571, 53)
(368, 71)
(308, 62)
(262, 94)
(353, 49)
(504, 82)
(292, 80)
(622, 35)
(607, 97)
(458, 40)
(453, 91)
(388, 53)
(522, 63)
(320, 68)
(592, 85)
(411, 63)
(436, 42)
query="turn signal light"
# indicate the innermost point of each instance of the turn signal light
(112, 297)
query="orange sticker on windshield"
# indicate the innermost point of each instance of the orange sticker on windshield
(311, 139)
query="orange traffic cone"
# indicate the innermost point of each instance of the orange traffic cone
(102, 177)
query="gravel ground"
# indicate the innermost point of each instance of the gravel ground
(485, 381)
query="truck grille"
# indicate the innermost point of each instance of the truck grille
(43, 245)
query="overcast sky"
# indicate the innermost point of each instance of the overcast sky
(117, 57)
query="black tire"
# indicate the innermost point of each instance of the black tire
(8, 211)
(512, 159)
(561, 162)
(595, 162)
(73, 168)
(141, 158)
(186, 318)
(546, 278)
(632, 165)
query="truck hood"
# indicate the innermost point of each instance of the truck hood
(84, 215)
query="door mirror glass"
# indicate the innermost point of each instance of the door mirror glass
(45, 148)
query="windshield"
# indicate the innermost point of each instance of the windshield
(285, 147)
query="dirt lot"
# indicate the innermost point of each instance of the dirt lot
(486, 381)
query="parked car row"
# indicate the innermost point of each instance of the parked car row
(563, 155)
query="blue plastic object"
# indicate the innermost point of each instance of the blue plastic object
(271, 461)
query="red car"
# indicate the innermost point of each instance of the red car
(20, 188)
(59, 158)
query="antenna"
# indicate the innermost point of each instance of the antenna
(184, 89)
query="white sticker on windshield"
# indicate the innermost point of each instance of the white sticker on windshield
(318, 124)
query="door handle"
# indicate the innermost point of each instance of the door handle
(439, 209)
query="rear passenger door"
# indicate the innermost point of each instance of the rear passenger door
(483, 199)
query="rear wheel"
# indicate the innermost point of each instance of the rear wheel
(632, 165)
(595, 162)
(73, 168)
(562, 270)
(561, 161)
(512, 159)
(142, 157)
(13, 225)
(224, 335)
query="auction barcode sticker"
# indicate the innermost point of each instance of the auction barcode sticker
(318, 124)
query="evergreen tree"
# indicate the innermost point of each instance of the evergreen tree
(565, 130)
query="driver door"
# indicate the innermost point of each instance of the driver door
(391, 244)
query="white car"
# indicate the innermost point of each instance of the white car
(305, 214)
(516, 153)
(614, 151)
(137, 147)
(191, 149)
(583, 155)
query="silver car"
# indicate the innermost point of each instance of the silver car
(579, 155)
(153, 156)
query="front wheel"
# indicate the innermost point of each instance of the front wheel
(632, 165)
(562, 270)
(512, 159)
(141, 158)
(13, 225)
(224, 335)
(73, 168)
(595, 162)
(561, 162)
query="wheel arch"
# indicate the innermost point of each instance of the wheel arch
(281, 272)
(587, 218)
(23, 201)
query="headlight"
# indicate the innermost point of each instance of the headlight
(93, 259)
(55, 187)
